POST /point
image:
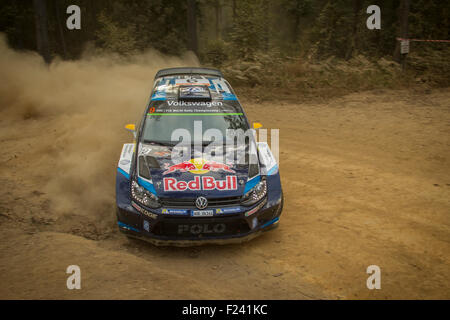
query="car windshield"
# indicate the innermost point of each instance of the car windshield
(159, 127)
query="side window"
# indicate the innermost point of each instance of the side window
(156, 83)
(221, 85)
(229, 87)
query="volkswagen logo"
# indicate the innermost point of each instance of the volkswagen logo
(201, 203)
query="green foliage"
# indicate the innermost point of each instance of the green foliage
(217, 52)
(255, 42)
(250, 30)
(298, 8)
(144, 24)
(430, 19)
(332, 29)
(115, 38)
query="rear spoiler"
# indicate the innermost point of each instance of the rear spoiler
(188, 71)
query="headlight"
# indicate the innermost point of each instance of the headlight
(255, 194)
(143, 196)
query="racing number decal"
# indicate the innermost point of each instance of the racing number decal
(266, 156)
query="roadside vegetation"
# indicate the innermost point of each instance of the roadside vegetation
(293, 49)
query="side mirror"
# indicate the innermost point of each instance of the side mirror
(132, 128)
(257, 125)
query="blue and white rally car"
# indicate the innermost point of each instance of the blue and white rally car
(194, 174)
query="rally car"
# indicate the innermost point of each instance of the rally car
(195, 173)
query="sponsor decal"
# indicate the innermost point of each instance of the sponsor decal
(162, 153)
(143, 211)
(194, 89)
(198, 166)
(228, 210)
(194, 92)
(197, 113)
(174, 211)
(203, 183)
(268, 160)
(191, 81)
(208, 104)
(201, 228)
(144, 150)
(125, 159)
(159, 96)
(152, 150)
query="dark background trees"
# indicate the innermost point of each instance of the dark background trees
(227, 32)
(293, 27)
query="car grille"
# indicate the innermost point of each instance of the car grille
(190, 203)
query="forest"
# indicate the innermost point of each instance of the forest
(320, 47)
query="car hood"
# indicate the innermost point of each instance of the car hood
(194, 176)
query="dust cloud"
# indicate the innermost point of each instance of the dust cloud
(78, 110)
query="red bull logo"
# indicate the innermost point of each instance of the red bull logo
(205, 183)
(198, 166)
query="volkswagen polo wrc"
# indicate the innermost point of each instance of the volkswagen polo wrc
(195, 173)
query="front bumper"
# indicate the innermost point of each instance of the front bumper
(204, 241)
(162, 229)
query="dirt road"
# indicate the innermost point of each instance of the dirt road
(366, 180)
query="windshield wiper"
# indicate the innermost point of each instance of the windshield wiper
(173, 143)
(161, 143)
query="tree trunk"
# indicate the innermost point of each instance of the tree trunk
(218, 10)
(352, 47)
(403, 12)
(192, 26)
(42, 44)
(61, 29)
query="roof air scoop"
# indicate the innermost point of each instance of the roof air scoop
(194, 93)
